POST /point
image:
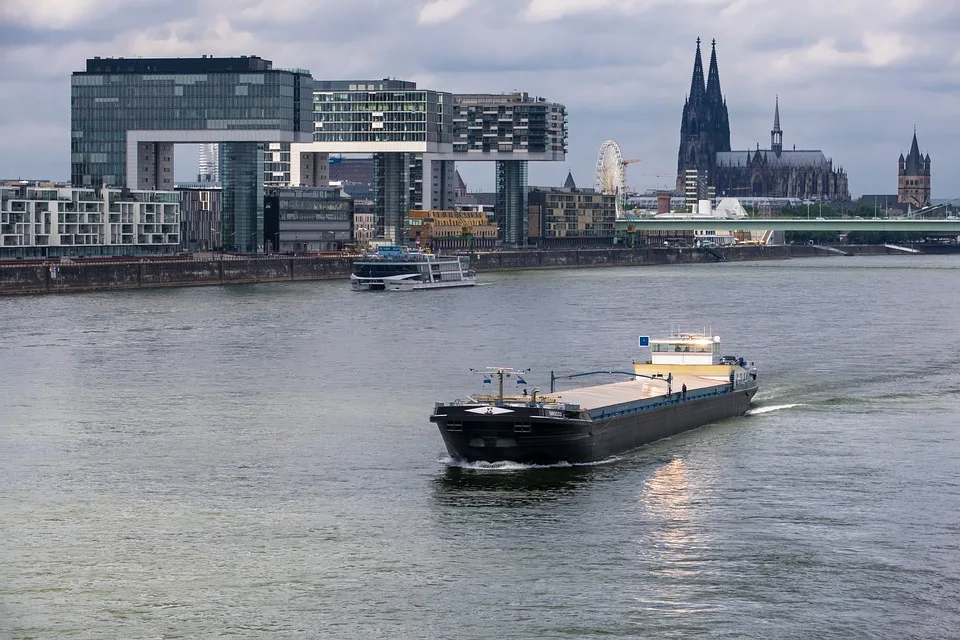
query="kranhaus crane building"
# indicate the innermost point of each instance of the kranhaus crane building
(128, 113)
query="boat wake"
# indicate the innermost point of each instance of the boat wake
(506, 465)
(759, 410)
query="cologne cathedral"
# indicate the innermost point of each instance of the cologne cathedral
(750, 173)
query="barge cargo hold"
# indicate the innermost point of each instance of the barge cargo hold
(686, 383)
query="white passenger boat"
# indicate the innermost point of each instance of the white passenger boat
(402, 269)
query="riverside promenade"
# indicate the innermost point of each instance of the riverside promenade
(24, 277)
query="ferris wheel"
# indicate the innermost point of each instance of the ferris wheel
(612, 174)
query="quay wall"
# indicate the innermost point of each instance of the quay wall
(574, 258)
(35, 276)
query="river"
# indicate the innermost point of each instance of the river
(256, 461)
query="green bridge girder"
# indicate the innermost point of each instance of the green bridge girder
(790, 224)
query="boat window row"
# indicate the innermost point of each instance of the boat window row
(681, 348)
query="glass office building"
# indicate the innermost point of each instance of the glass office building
(403, 127)
(309, 219)
(393, 185)
(511, 207)
(354, 111)
(128, 113)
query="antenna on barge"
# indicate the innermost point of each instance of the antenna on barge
(500, 373)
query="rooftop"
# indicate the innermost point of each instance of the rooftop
(517, 97)
(203, 64)
(803, 158)
(386, 84)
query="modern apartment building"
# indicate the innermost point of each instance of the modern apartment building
(128, 113)
(208, 163)
(364, 221)
(47, 222)
(697, 187)
(571, 217)
(276, 164)
(314, 168)
(509, 123)
(200, 216)
(511, 129)
(308, 219)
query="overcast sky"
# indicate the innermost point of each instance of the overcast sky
(853, 76)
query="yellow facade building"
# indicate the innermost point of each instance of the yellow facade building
(448, 229)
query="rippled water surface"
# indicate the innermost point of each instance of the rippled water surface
(256, 461)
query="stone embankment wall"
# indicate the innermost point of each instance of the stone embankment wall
(39, 277)
(566, 259)
(100, 276)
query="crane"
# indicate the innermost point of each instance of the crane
(623, 172)
(660, 175)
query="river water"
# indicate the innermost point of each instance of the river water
(256, 461)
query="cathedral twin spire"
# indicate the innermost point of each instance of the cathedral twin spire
(713, 76)
(696, 82)
(711, 88)
(705, 126)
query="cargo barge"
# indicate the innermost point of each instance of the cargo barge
(685, 383)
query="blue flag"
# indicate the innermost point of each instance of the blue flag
(521, 380)
(486, 380)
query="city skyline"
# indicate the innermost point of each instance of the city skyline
(852, 80)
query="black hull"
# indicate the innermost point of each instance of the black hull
(526, 436)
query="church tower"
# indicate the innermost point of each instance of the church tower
(776, 135)
(913, 176)
(705, 125)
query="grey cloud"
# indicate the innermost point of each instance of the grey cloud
(623, 70)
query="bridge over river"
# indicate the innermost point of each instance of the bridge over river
(939, 225)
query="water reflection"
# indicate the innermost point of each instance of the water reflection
(666, 495)
(674, 546)
(510, 487)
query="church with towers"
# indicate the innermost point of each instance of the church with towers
(758, 173)
(913, 177)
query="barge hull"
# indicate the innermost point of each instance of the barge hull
(525, 436)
